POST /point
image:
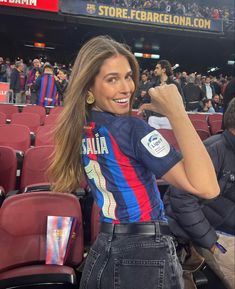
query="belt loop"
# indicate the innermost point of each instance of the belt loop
(157, 232)
(110, 238)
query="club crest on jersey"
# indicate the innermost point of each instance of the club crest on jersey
(155, 143)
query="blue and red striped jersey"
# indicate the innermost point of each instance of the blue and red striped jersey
(122, 157)
(48, 95)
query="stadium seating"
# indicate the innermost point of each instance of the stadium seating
(56, 110)
(35, 164)
(197, 116)
(51, 119)
(44, 135)
(31, 120)
(203, 134)
(8, 166)
(169, 136)
(36, 109)
(215, 123)
(3, 118)
(23, 241)
(15, 136)
(8, 109)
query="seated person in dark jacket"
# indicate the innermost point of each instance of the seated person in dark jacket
(210, 224)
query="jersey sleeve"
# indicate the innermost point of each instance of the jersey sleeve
(148, 146)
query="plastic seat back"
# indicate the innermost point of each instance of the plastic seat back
(44, 135)
(31, 120)
(51, 119)
(56, 110)
(3, 118)
(35, 165)
(200, 124)
(23, 227)
(8, 166)
(8, 109)
(169, 136)
(15, 136)
(197, 116)
(36, 109)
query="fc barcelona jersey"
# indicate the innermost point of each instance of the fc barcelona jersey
(122, 157)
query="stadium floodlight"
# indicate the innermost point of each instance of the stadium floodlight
(155, 56)
(175, 66)
(231, 62)
(138, 54)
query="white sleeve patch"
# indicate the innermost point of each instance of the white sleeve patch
(155, 143)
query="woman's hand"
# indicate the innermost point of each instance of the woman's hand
(165, 99)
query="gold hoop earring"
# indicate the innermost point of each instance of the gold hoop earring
(90, 98)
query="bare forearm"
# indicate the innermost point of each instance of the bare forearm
(197, 163)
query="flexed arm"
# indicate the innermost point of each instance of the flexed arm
(195, 173)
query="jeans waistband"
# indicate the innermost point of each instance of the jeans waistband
(154, 228)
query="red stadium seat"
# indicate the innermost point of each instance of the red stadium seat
(203, 134)
(215, 123)
(51, 119)
(8, 166)
(56, 110)
(23, 227)
(15, 136)
(35, 164)
(8, 109)
(169, 136)
(215, 127)
(197, 116)
(200, 124)
(3, 118)
(38, 110)
(31, 120)
(215, 117)
(44, 135)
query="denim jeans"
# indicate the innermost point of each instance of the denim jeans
(121, 261)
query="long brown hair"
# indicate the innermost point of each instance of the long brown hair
(66, 170)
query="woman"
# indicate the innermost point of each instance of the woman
(121, 156)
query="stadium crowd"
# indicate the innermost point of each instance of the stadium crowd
(182, 7)
(27, 83)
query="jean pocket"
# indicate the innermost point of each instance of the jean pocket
(88, 269)
(138, 274)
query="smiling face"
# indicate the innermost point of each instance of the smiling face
(113, 86)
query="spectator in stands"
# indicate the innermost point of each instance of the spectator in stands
(8, 69)
(33, 88)
(211, 223)
(163, 72)
(207, 106)
(183, 79)
(3, 68)
(193, 94)
(142, 95)
(17, 83)
(217, 103)
(62, 83)
(46, 87)
(120, 156)
(31, 78)
(208, 89)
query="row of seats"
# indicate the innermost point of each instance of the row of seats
(20, 138)
(205, 125)
(32, 171)
(23, 230)
(9, 109)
